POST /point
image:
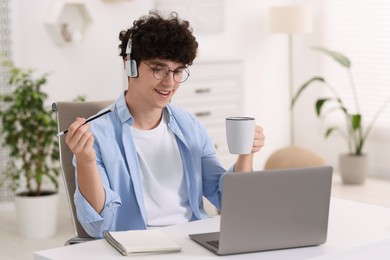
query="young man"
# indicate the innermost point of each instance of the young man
(148, 163)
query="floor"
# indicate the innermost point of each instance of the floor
(12, 246)
(373, 191)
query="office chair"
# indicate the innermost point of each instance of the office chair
(66, 114)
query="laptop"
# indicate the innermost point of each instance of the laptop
(271, 209)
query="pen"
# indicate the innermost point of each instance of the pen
(88, 120)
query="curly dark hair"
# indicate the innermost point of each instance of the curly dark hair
(153, 36)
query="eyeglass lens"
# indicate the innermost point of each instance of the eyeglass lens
(161, 71)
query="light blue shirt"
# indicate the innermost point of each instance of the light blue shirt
(117, 162)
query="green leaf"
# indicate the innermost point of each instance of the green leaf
(320, 103)
(304, 86)
(337, 56)
(356, 121)
(329, 131)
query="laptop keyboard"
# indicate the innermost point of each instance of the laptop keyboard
(214, 243)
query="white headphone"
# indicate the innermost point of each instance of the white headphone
(130, 65)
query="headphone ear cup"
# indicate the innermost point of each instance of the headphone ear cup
(131, 68)
(128, 68)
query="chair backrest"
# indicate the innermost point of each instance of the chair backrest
(66, 114)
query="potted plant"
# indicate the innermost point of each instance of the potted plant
(28, 133)
(353, 165)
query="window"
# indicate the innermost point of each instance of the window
(360, 29)
(5, 49)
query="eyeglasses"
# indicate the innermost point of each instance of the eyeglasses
(161, 71)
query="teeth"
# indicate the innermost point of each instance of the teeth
(163, 92)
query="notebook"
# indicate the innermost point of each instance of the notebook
(272, 209)
(140, 241)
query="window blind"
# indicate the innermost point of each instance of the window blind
(360, 29)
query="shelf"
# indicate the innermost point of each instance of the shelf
(68, 22)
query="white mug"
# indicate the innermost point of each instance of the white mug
(240, 133)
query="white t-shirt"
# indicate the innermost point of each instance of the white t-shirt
(164, 186)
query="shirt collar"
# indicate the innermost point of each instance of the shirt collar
(123, 112)
(125, 115)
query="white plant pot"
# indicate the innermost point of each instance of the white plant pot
(37, 216)
(353, 168)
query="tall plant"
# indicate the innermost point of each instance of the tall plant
(355, 133)
(28, 131)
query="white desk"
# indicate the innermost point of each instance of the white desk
(353, 227)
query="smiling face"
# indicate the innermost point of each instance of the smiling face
(148, 93)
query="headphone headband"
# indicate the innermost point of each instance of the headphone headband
(128, 46)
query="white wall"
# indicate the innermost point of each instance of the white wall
(94, 69)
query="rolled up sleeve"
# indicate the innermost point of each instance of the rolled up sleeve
(93, 222)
